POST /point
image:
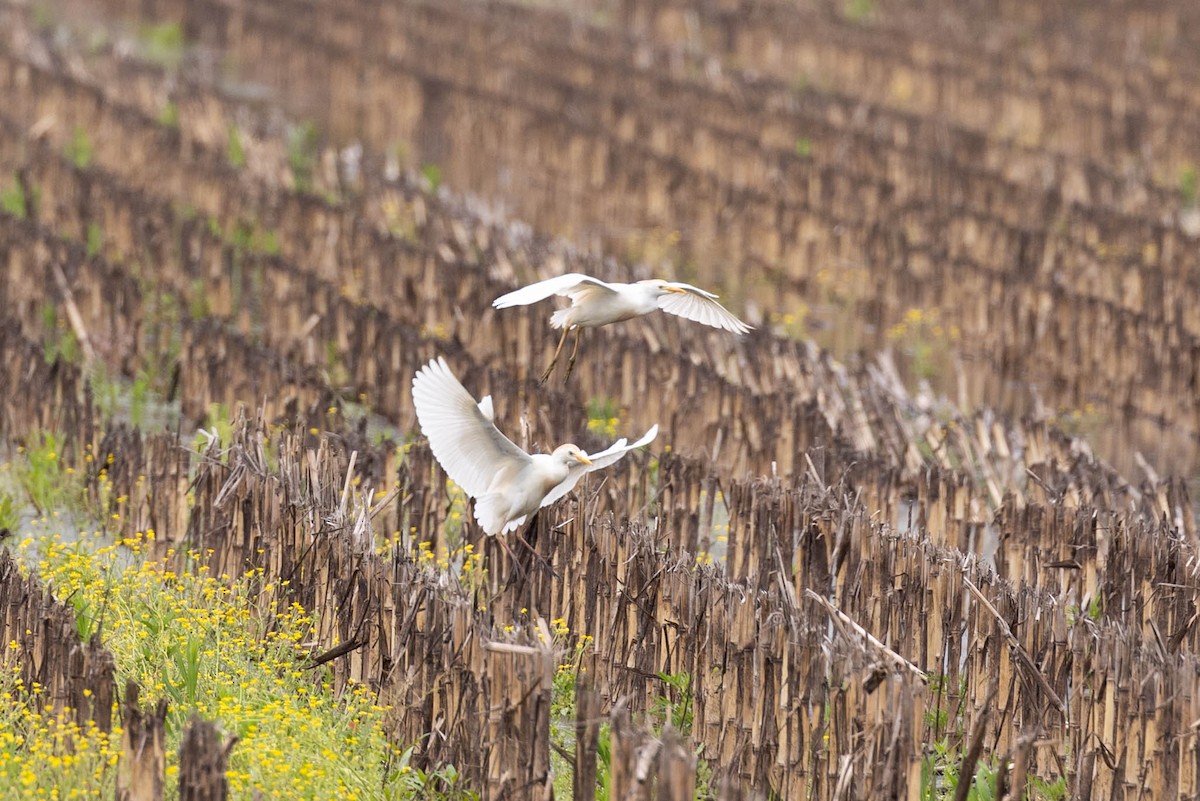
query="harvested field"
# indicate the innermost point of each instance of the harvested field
(925, 533)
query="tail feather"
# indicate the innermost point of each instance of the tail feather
(490, 514)
(561, 318)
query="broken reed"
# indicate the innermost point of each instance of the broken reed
(1096, 604)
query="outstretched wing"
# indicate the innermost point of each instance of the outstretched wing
(461, 434)
(559, 285)
(699, 306)
(613, 453)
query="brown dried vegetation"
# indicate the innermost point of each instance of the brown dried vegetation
(894, 574)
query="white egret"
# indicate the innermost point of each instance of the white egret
(595, 303)
(507, 483)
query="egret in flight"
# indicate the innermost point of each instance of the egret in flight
(507, 483)
(595, 303)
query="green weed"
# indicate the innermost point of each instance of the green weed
(58, 338)
(940, 775)
(44, 16)
(432, 174)
(12, 200)
(442, 783)
(45, 480)
(106, 390)
(858, 10)
(139, 395)
(674, 706)
(233, 148)
(163, 43)
(198, 307)
(302, 155)
(79, 150)
(1045, 790)
(251, 238)
(337, 374)
(924, 340)
(163, 339)
(10, 515)
(1189, 186)
(169, 116)
(1085, 422)
(217, 420)
(95, 239)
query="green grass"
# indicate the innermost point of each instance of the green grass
(674, 704)
(163, 43)
(12, 200)
(432, 174)
(45, 16)
(95, 239)
(249, 237)
(10, 513)
(940, 775)
(58, 338)
(303, 142)
(169, 116)
(924, 341)
(235, 152)
(42, 478)
(217, 421)
(858, 10)
(562, 717)
(79, 150)
(1189, 186)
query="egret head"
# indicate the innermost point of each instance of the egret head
(661, 285)
(570, 454)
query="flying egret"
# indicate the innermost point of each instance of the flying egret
(507, 483)
(595, 303)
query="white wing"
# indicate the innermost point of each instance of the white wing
(461, 435)
(486, 408)
(700, 306)
(560, 285)
(613, 453)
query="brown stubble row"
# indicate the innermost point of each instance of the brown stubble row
(248, 350)
(775, 699)
(308, 227)
(993, 253)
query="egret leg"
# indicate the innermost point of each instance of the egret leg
(545, 562)
(512, 557)
(550, 367)
(574, 353)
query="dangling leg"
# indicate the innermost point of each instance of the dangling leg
(512, 557)
(574, 353)
(532, 550)
(550, 367)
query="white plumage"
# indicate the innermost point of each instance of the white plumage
(595, 303)
(507, 483)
